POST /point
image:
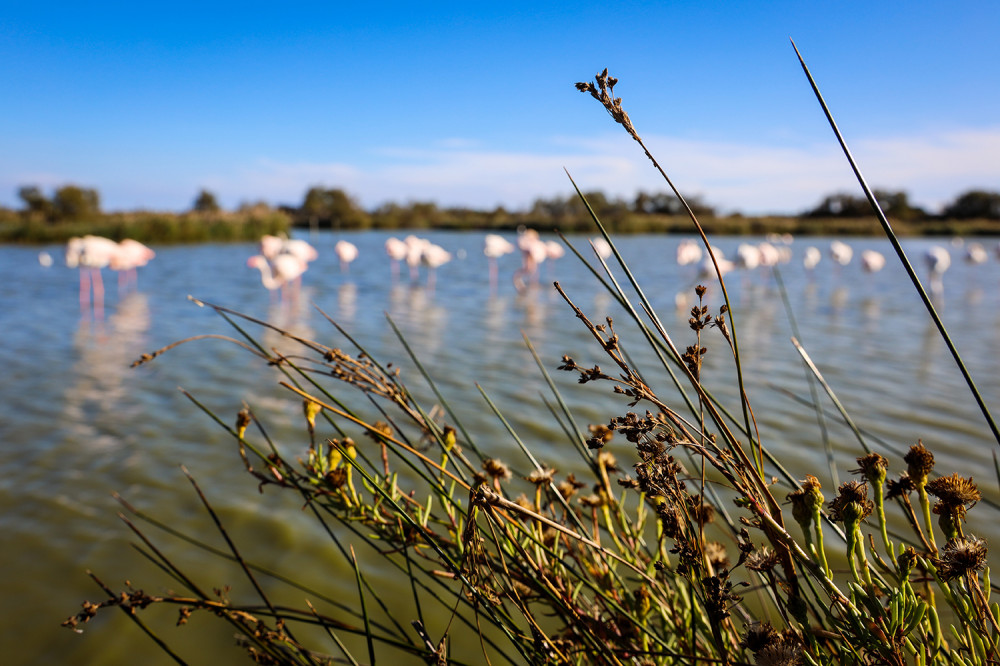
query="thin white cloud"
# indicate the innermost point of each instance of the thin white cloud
(753, 178)
(749, 177)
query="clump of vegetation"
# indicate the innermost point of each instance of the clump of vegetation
(698, 547)
(75, 211)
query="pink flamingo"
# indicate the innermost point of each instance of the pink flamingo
(601, 247)
(688, 252)
(414, 253)
(533, 253)
(494, 247)
(285, 269)
(130, 256)
(433, 257)
(553, 250)
(396, 249)
(274, 246)
(91, 254)
(346, 252)
(872, 261)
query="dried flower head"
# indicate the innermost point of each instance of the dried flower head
(906, 561)
(569, 486)
(716, 554)
(961, 556)
(955, 491)
(541, 477)
(899, 488)
(762, 560)
(919, 463)
(806, 501)
(601, 432)
(701, 512)
(608, 461)
(851, 504)
(671, 519)
(603, 91)
(496, 469)
(872, 468)
(780, 653)
(758, 636)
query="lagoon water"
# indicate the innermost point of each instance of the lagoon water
(77, 423)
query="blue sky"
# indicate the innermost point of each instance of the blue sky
(473, 103)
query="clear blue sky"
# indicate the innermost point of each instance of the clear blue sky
(473, 103)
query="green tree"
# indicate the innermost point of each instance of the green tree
(206, 202)
(894, 204)
(974, 204)
(72, 202)
(332, 208)
(36, 205)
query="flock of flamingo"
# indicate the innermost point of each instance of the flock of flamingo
(777, 250)
(282, 261)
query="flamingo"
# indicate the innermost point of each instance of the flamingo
(841, 252)
(433, 257)
(285, 269)
(494, 247)
(708, 268)
(872, 261)
(688, 252)
(414, 253)
(91, 254)
(975, 253)
(601, 247)
(273, 246)
(811, 258)
(748, 256)
(396, 249)
(130, 256)
(346, 252)
(938, 260)
(553, 250)
(533, 252)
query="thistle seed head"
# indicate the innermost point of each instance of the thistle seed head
(961, 556)
(919, 463)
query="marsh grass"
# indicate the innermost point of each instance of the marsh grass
(699, 547)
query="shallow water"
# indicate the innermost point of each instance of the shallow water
(77, 423)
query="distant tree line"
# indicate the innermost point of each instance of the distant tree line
(974, 204)
(71, 208)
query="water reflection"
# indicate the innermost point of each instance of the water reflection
(347, 302)
(99, 392)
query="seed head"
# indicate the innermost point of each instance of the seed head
(806, 500)
(716, 554)
(919, 463)
(762, 559)
(758, 636)
(569, 486)
(899, 488)
(851, 504)
(872, 468)
(541, 477)
(954, 491)
(962, 556)
(496, 469)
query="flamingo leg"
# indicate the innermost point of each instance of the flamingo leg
(84, 288)
(98, 293)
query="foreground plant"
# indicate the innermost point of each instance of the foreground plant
(675, 548)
